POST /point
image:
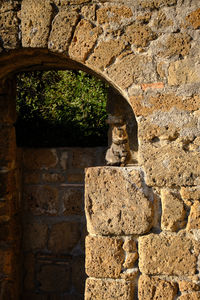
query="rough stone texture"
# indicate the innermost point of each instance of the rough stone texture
(98, 289)
(72, 201)
(194, 19)
(104, 257)
(183, 72)
(40, 158)
(130, 260)
(118, 206)
(178, 44)
(83, 41)
(36, 19)
(186, 286)
(173, 212)
(113, 14)
(7, 147)
(130, 69)
(190, 296)
(190, 194)
(41, 200)
(9, 27)
(194, 217)
(35, 236)
(54, 278)
(155, 288)
(105, 53)
(171, 255)
(62, 29)
(64, 236)
(156, 3)
(140, 35)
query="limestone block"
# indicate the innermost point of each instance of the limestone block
(62, 30)
(9, 29)
(129, 245)
(186, 286)
(140, 35)
(156, 3)
(167, 254)
(53, 177)
(41, 200)
(168, 165)
(53, 278)
(36, 19)
(98, 289)
(190, 296)
(194, 19)
(113, 14)
(35, 236)
(190, 194)
(183, 72)
(130, 69)
(114, 203)
(64, 236)
(130, 260)
(194, 216)
(104, 257)
(163, 102)
(155, 288)
(73, 177)
(105, 52)
(84, 39)
(173, 212)
(176, 44)
(162, 21)
(39, 158)
(72, 201)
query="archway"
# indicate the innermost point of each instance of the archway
(45, 262)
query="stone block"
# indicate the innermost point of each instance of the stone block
(188, 286)
(9, 29)
(155, 288)
(176, 44)
(40, 158)
(130, 260)
(183, 72)
(84, 39)
(41, 200)
(118, 206)
(31, 177)
(72, 201)
(98, 289)
(104, 257)
(53, 177)
(168, 254)
(105, 53)
(64, 237)
(139, 35)
(190, 194)
(190, 296)
(35, 236)
(82, 158)
(113, 14)
(194, 19)
(130, 69)
(152, 4)
(53, 278)
(194, 217)
(75, 177)
(173, 212)
(36, 17)
(129, 245)
(62, 30)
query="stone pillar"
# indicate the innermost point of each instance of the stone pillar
(9, 195)
(118, 209)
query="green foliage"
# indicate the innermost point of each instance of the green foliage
(60, 108)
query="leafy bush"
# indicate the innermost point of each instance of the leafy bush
(60, 108)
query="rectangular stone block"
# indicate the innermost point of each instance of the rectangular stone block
(155, 288)
(40, 158)
(168, 254)
(115, 202)
(104, 257)
(109, 289)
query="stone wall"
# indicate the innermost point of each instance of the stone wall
(148, 50)
(54, 226)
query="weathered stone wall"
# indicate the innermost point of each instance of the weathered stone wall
(149, 51)
(54, 227)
